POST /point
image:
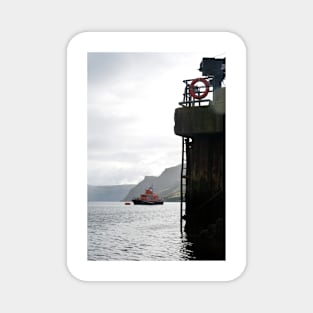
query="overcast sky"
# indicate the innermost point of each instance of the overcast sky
(131, 102)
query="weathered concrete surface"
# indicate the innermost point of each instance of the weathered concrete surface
(205, 195)
(190, 121)
(219, 101)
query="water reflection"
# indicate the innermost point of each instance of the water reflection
(202, 247)
(187, 249)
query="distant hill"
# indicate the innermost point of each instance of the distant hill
(167, 185)
(108, 193)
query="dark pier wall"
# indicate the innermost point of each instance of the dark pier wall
(205, 193)
(205, 182)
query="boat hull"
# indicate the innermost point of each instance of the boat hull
(138, 201)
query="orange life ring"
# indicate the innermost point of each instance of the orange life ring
(204, 93)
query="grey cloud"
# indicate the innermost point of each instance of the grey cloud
(131, 102)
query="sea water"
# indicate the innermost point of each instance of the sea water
(136, 232)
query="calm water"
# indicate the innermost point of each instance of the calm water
(136, 232)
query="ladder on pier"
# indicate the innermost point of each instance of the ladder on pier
(183, 179)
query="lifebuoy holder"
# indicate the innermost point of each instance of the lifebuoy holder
(203, 93)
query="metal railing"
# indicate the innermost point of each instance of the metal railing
(188, 100)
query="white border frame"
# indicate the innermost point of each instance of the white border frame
(77, 262)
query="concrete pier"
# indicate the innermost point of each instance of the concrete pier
(205, 173)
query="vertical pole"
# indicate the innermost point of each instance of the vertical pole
(181, 185)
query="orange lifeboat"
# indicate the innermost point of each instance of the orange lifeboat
(149, 198)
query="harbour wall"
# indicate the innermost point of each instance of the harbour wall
(204, 126)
